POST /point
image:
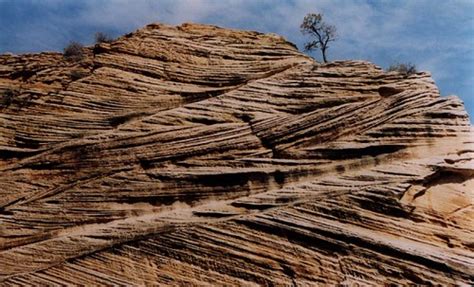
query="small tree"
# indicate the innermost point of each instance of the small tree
(101, 37)
(314, 25)
(74, 51)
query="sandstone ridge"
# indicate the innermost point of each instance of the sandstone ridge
(201, 155)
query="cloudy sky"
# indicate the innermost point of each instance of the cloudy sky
(436, 35)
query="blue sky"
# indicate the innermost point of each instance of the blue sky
(436, 35)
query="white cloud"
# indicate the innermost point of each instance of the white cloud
(363, 26)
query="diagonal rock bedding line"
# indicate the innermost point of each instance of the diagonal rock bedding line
(196, 155)
(100, 236)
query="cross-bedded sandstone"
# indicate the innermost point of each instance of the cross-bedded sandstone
(201, 155)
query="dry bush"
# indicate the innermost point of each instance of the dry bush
(101, 37)
(77, 74)
(74, 51)
(403, 68)
(7, 97)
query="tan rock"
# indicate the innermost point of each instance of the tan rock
(208, 156)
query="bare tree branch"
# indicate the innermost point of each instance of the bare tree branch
(313, 25)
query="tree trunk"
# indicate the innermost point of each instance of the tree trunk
(324, 55)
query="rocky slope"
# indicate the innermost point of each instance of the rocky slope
(200, 155)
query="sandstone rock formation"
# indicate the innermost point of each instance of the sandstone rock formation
(200, 155)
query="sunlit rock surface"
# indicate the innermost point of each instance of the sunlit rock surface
(200, 155)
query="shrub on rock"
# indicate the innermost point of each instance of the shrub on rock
(74, 51)
(403, 68)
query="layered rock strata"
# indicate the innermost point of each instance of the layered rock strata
(200, 155)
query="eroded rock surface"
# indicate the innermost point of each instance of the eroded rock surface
(201, 155)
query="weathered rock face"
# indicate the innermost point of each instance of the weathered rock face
(200, 155)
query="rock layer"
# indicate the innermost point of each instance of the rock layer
(200, 155)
